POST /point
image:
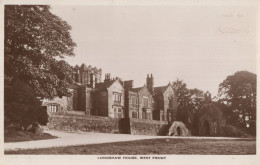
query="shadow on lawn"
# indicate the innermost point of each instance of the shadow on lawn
(11, 135)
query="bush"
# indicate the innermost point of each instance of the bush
(164, 130)
(21, 107)
(232, 131)
(252, 129)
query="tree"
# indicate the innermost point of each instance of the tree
(238, 92)
(183, 99)
(197, 98)
(35, 42)
(189, 100)
(21, 106)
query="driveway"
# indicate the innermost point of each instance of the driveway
(83, 138)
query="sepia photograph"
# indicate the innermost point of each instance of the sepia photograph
(138, 81)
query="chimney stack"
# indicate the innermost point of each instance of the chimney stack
(107, 78)
(150, 83)
(128, 84)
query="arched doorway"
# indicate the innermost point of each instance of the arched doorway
(179, 131)
(205, 128)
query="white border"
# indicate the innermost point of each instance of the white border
(87, 159)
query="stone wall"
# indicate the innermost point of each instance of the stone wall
(77, 122)
(72, 122)
(146, 127)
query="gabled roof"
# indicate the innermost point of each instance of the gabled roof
(139, 89)
(160, 89)
(105, 85)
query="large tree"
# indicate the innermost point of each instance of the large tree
(238, 92)
(35, 41)
(188, 100)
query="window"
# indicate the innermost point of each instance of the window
(118, 112)
(53, 108)
(117, 97)
(134, 114)
(146, 114)
(145, 102)
(134, 100)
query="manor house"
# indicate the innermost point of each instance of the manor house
(114, 97)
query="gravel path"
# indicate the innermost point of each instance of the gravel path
(75, 139)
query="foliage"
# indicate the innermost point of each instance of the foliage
(238, 92)
(189, 100)
(232, 131)
(35, 41)
(21, 106)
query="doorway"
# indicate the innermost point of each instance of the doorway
(205, 128)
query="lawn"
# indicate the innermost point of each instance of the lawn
(19, 136)
(156, 146)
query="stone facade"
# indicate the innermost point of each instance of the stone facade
(159, 102)
(56, 105)
(115, 98)
(139, 103)
(143, 110)
(109, 98)
(79, 100)
(165, 101)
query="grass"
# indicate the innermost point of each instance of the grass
(19, 136)
(156, 146)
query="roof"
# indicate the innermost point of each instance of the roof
(105, 85)
(135, 89)
(160, 89)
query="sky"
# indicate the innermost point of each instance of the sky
(200, 45)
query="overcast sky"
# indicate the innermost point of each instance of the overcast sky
(200, 45)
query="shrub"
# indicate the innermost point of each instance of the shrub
(21, 107)
(232, 131)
